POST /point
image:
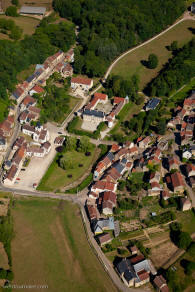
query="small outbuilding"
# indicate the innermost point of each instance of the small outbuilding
(152, 104)
(32, 10)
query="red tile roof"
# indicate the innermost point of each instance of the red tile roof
(99, 95)
(34, 109)
(159, 281)
(165, 194)
(155, 185)
(177, 179)
(137, 259)
(38, 89)
(143, 275)
(12, 172)
(80, 80)
(190, 167)
(104, 185)
(115, 147)
(109, 196)
(117, 100)
(28, 99)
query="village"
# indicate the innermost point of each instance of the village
(170, 172)
(35, 140)
(133, 194)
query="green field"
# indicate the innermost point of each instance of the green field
(131, 63)
(50, 248)
(187, 219)
(28, 24)
(56, 177)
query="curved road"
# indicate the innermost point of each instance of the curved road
(80, 201)
(185, 17)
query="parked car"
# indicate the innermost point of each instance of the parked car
(60, 133)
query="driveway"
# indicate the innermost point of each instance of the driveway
(37, 166)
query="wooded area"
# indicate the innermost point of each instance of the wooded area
(17, 56)
(108, 28)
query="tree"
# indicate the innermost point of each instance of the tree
(191, 250)
(184, 240)
(152, 61)
(84, 144)
(11, 11)
(15, 2)
(190, 267)
(66, 162)
(174, 46)
(71, 143)
(161, 127)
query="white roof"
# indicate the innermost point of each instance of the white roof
(32, 10)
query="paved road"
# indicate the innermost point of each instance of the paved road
(186, 16)
(96, 248)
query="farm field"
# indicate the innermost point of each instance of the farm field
(56, 177)
(50, 248)
(28, 24)
(131, 63)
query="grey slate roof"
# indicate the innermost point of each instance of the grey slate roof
(123, 266)
(110, 156)
(32, 10)
(152, 104)
(2, 141)
(129, 275)
(119, 167)
(93, 113)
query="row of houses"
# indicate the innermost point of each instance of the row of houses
(58, 62)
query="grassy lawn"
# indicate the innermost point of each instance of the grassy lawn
(187, 219)
(56, 177)
(28, 24)
(184, 92)
(72, 104)
(50, 248)
(131, 63)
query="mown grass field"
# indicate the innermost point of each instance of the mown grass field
(56, 177)
(28, 24)
(50, 248)
(131, 63)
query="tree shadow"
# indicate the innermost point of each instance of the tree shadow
(144, 63)
(192, 29)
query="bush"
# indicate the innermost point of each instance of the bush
(15, 2)
(152, 61)
(190, 267)
(184, 240)
(11, 11)
(191, 250)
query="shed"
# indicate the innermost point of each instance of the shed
(32, 10)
